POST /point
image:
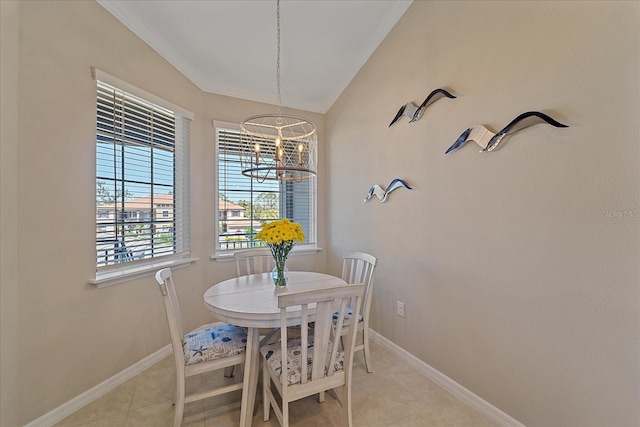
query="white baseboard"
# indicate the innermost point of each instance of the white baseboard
(63, 411)
(471, 399)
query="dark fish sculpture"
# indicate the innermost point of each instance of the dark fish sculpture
(489, 141)
(383, 194)
(414, 113)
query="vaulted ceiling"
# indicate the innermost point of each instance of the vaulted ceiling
(229, 47)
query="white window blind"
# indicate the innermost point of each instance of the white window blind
(244, 204)
(142, 186)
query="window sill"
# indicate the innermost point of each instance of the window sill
(302, 250)
(130, 273)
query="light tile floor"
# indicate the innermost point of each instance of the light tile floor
(394, 395)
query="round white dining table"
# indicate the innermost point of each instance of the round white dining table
(252, 301)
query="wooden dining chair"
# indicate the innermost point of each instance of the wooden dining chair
(312, 363)
(253, 261)
(358, 267)
(211, 347)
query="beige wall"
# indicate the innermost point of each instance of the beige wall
(519, 268)
(8, 212)
(69, 335)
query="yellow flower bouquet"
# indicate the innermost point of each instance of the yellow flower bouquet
(280, 236)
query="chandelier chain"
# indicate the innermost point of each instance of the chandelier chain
(277, 147)
(278, 55)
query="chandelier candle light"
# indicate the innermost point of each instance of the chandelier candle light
(280, 236)
(277, 146)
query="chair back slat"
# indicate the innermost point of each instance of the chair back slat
(321, 339)
(304, 330)
(283, 344)
(336, 334)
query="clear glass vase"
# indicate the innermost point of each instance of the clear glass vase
(280, 273)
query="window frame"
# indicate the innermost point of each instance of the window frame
(219, 254)
(129, 270)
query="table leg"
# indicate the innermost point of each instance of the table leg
(250, 380)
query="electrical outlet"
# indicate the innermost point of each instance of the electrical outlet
(400, 308)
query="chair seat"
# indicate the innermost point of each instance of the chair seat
(213, 342)
(347, 318)
(273, 355)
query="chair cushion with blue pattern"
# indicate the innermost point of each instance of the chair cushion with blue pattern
(347, 317)
(273, 355)
(214, 342)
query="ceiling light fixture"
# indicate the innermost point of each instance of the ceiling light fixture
(277, 146)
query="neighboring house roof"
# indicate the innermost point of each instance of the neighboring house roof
(141, 203)
(227, 206)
